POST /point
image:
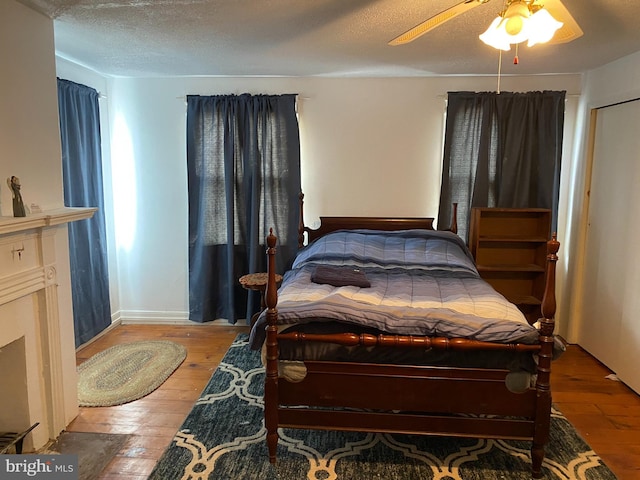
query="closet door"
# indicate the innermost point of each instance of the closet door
(610, 328)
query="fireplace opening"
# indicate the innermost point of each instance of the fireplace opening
(14, 401)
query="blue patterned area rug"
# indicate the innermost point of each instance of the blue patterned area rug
(224, 438)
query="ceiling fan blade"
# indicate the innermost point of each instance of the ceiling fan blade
(570, 29)
(436, 20)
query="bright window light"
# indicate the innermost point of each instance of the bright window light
(124, 184)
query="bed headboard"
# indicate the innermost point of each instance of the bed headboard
(331, 224)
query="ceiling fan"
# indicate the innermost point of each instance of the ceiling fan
(570, 30)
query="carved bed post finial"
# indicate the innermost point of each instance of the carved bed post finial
(271, 297)
(271, 378)
(454, 219)
(549, 297)
(301, 221)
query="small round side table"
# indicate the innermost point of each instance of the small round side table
(258, 283)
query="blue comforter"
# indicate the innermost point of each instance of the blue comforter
(422, 282)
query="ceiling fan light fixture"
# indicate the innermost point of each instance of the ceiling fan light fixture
(520, 22)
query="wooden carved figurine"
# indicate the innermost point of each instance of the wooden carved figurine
(18, 205)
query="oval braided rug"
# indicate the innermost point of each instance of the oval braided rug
(127, 372)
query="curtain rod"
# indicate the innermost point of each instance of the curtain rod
(184, 97)
(570, 95)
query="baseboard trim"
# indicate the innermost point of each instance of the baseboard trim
(114, 324)
(137, 317)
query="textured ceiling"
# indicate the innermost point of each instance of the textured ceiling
(318, 37)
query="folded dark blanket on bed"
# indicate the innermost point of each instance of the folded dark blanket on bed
(340, 276)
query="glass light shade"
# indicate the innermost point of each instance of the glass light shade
(542, 27)
(494, 37)
(497, 36)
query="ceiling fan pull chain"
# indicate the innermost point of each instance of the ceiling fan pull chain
(499, 69)
(515, 59)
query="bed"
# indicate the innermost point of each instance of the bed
(453, 358)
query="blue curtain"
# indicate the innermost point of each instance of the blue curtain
(82, 179)
(501, 150)
(243, 160)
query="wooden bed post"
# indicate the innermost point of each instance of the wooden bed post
(543, 387)
(454, 219)
(271, 378)
(301, 227)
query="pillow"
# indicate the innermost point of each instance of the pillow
(340, 276)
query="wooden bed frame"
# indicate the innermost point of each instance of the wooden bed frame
(495, 411)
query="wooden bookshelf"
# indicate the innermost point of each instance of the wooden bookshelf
(509, 247)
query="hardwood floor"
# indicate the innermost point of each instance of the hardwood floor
(605, 412)
(153, 420)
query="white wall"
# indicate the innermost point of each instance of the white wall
(370, 146)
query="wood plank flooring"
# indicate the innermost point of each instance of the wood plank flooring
(153, 420)
(605, 412)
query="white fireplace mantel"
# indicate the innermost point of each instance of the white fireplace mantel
(33, 275)
(47, 218)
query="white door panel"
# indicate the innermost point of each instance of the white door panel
(610, 328)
